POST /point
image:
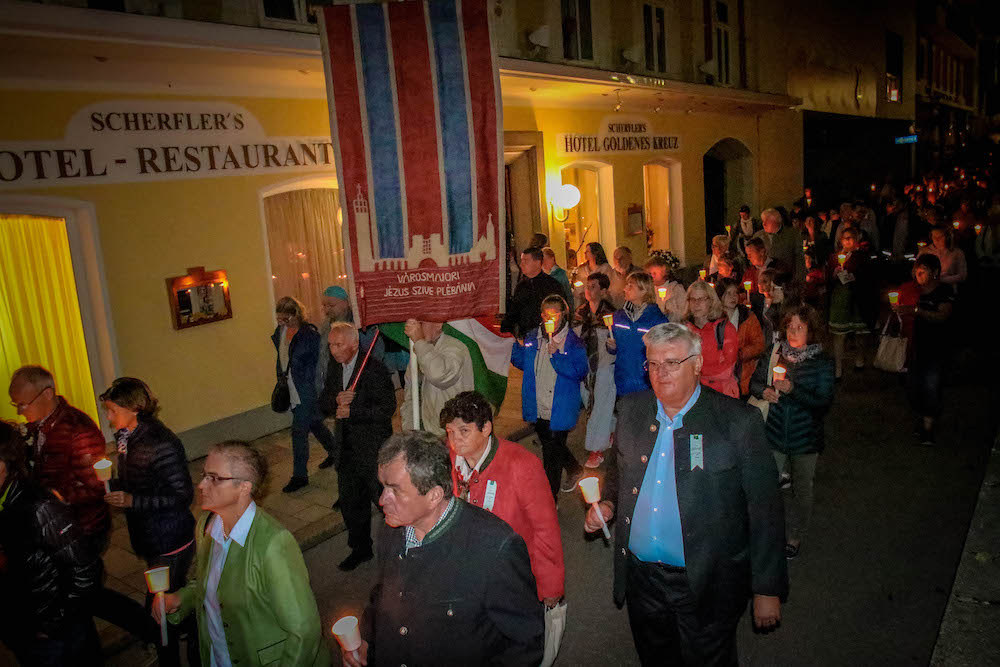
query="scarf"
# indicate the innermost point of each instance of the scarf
(633, 311)
(799, 354)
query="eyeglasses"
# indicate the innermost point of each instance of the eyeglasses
(24, 406)
(214, 479)
(669, 366)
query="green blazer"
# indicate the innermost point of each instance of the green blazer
(268, 610)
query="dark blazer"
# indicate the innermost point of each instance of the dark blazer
(731, 511)
(155, 471)
(303, 353)
(370, 423)
(465, 597)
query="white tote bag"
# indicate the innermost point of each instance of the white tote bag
(555, 626)
(891, 355)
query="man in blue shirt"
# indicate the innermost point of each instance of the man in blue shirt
(702, 527)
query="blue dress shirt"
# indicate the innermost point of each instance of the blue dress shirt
(656, 535)
(220, 550)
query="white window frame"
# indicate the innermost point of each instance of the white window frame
(723, 34)
(578, 56)
(654, 5)
(300, 24)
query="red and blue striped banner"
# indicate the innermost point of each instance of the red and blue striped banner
(414, 99)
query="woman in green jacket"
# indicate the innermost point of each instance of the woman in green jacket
(251, 590)
(797, 407)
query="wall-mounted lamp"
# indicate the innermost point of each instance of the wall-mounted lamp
(566, 197)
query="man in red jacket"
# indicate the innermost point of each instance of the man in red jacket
(65, 443)
(507, 480)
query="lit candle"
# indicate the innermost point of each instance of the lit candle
(661, 292)
(842, 258)
(578, 283)
(955, 224)
(809, 201)
(550, 327)
(592, 495)
(921, 244)
(779, 373)
(103, 470)
(702, 273)
(747, 285)
(712, 285)
(158, 581)
(348, 634)
(873, 187)
(893, 298)
(729, 228)
(609, 323)
(978, 229)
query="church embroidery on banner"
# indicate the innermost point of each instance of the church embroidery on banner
(422, 252)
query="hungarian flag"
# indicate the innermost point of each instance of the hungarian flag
(414, 97)
(489, 350)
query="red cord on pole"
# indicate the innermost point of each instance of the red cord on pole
(365, 360)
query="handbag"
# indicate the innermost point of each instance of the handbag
(761, 403)
(281, 397)
(555, 626)
(891, 355)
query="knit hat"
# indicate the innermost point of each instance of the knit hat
(336, 291)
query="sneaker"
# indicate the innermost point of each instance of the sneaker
(594, 460)
(784, 481)
(571, 481)
(791, 552)
(295, 483)
(354, 559)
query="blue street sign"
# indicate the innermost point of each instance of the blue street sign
(908, 139)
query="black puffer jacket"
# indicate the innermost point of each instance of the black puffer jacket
(50, 568)
(155, 471)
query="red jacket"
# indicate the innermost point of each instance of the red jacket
(718, 370)
(524, 500)
(72, 444)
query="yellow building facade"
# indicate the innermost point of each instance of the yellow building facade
(162, 143)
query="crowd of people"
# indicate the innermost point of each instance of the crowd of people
(702, 395)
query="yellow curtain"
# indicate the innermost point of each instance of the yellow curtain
(39, 312)
(303, 237)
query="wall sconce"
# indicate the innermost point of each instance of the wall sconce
(566, 197)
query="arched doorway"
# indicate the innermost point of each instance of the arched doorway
(728, 170)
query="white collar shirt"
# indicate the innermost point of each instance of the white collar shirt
(220, 551)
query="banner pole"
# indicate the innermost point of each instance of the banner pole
(414, 388)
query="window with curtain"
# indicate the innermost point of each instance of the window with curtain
(39, 312)
(304, 242)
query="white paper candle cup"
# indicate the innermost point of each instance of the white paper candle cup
(158, 579)
(591, 490)
(661, 292)
(103, 470)
(779, 373)
(347, 633)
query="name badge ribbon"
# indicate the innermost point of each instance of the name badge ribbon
(697, 452)
(491, 495)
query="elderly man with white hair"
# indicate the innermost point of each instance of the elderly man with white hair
(361, 396)
(702, 526)
(783, 243)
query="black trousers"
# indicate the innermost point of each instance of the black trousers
(359, 488)
(117, 608)
(77, 643)
(662, 612)
(556, 456)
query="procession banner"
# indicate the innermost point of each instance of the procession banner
(414, 100)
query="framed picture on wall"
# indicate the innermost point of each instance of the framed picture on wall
(200, 297)
(634, 222)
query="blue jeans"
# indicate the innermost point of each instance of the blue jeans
(305, 419)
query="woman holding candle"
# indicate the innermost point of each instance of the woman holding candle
(749, 335)
(931, 331)
(554, 366)
(629, 324)
(592, 329)
(850, 286)
(671, 297)
(719, 341)
(798, 404)
(154, 488)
